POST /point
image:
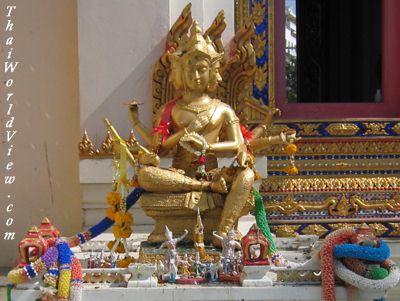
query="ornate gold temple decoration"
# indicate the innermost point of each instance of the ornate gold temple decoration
(131, 141)
(238, 72)
(396, 229)
(343, 147)
(318, 229)
(148, 255)
(392, 205)
(378, 228)
(342, 129)
(343, 226)
(335, 206)
(396, 128)
(258, 9)
(86, 147)
(374, 128)
(315, 229)
(341, 207)
(284, 230)
(162, 89)
(107, 145)
(306, 184)
(260, 77)
(259, 44)
(242, 13)
(309, 129)
(215, 31)
(290, 206)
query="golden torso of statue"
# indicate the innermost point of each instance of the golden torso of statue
(218, 115)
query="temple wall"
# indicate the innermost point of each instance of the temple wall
(46, 117)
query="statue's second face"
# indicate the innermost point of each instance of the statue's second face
(196, 74)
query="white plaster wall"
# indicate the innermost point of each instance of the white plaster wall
(119, 42)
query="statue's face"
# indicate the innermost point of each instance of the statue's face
(196, 74)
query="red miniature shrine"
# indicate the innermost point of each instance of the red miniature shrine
(32, 246)
(47, 230)
(253, 241)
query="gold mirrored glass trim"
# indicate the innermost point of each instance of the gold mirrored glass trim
(289, 184)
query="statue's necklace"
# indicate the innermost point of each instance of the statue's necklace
(198, 108)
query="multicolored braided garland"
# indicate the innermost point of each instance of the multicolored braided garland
(61, 265)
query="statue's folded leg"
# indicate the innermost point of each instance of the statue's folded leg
(236, 199)
(155, 179)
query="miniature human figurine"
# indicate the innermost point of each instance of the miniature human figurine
(198, 265)
(199, 128)
(170, 243)
(229, 245)
(184, 266)
(172, 266)
(214, 268)
(160, 270)
(198, 236)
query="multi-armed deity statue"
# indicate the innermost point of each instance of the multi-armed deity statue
(197, 128)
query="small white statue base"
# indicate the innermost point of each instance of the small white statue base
(142, 275)
(257, 275)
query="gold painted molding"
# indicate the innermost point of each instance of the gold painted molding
(319, 229)
(335, 206)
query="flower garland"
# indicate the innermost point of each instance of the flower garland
(327, 263)
(291, 150)
(64, 280)
(380, 253)
(367, 284)
(30, 271)
(201, 161)
(76, 280)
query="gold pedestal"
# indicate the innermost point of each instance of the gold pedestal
(179, 212)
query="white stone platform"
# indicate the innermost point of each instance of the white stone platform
(196, 293)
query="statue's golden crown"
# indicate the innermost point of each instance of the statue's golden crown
(198, 45)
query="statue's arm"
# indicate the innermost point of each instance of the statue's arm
(182, 236)
(238, 245)
(138, 125)
(284, 137)
(233, 138)
(217, 236)
(162, 246)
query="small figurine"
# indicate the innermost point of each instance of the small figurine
(160, 270)
(172, 266)
(198, 265)
(184, 265)
(198, 237)
(214, 268)
(229, 245)
(170, 243)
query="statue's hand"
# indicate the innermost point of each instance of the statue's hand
(134, 112)
(275, 112)
(197, 144)
(198, 124)
(289, 136)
